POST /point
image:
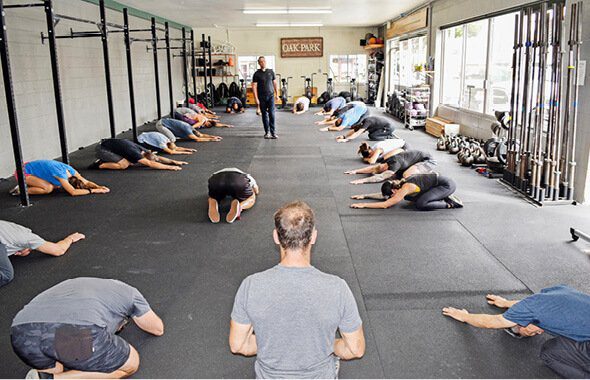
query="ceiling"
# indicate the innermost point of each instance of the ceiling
(228, 13)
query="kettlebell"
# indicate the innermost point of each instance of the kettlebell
(467, 159)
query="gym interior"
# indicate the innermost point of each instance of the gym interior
(492, 93)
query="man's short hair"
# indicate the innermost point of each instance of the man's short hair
(294, 223)
(261, 57)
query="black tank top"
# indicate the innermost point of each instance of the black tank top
(403, 161)
(424, 182)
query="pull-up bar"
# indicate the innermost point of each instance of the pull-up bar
(11, 109)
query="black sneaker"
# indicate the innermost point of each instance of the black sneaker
(274, 137)
(454, 202)
(95, 165)
(266, 136)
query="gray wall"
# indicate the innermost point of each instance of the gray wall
(83, 82)
(477, 125)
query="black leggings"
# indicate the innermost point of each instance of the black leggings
(381, 134)
(433, 199)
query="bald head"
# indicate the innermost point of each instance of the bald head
(295, 223)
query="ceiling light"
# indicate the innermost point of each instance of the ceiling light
(288, 24)
(308, 11)
(284, 11)
(265, 11)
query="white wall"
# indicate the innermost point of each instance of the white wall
(477, 125)
(82, 82)
(266, 41)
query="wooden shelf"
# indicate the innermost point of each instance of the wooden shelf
(374, 46)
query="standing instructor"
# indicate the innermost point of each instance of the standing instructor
(264, 85)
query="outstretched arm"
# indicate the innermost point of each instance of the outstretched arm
(80, 192)
(350, 135)
(374, 196)
(374, 178)
(484, 321)
(62, 246)
(500, 302)
(397, 197)
(373, 169)
(158, 165)
(168, 161)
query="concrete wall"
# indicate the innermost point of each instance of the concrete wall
(266, 41)
(83, 82)
(478, 125)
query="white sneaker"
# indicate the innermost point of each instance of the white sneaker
(15, 191)
(234, 211)
(32, 374)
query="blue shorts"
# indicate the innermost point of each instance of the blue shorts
(90, 349)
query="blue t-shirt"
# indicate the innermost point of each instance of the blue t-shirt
(154, 139)
(334, 104)
(353, 115)
(560, 310)
(179, 128)
(49, 170)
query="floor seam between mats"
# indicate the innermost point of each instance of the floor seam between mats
(494, 256)
(354, 268)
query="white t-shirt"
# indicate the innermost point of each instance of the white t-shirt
(389, 145)
(250, 178)
(303, 100)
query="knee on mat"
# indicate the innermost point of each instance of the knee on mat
(6, 276)
(548, 351)
(421, 205)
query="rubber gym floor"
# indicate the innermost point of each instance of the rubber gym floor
(403, 265)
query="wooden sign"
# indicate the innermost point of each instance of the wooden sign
(302, 47)
(415, 21)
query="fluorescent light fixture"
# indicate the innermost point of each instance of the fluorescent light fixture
(309, 11)
(284, 11)
(287, 24)
(265, 11)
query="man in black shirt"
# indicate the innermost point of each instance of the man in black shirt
(264, 85)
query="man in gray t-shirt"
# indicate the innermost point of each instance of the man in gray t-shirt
(70, 328)
(20, 241)
(289, 315)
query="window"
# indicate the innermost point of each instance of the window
(500, 76)
(408, 60)
(247, 65)
(477, 65)
(343, 68)
(453, 65)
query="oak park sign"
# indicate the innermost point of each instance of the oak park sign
(302, 47)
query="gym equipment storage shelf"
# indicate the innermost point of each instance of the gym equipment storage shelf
(417, 107)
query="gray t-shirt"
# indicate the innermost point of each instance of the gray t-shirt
(184, 111)
(16, 237)
(85, 301)
(295, 313)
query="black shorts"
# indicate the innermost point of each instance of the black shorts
(105, 155)
(36, 345)
(230, 184)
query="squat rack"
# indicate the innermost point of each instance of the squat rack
(52, 19)
(169, 56)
